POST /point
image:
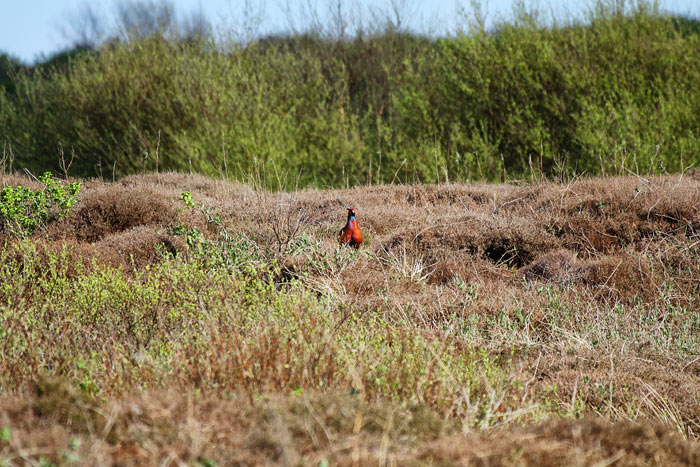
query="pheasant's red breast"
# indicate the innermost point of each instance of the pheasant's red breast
(351, 233)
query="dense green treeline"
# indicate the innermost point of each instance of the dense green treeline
(619, 91)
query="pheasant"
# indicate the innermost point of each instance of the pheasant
(351, 234)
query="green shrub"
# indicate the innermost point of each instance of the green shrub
(593, 97)
(22, 209)
(617, 92)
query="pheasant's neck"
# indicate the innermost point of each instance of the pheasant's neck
(352, 220)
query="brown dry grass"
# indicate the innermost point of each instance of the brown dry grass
(585, 291)
(172, 428)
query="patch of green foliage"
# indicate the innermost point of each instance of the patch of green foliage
(22, 209)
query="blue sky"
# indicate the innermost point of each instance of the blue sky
(30, 28)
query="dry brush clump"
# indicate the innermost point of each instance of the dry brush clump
(158, 427)
(485, 304)
(560, 442)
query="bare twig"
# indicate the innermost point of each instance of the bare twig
(65, 167)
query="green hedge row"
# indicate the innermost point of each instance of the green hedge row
(618, 92)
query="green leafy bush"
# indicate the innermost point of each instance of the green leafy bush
(22, 209)
(613, 93)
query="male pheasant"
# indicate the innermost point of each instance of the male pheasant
(351, 234)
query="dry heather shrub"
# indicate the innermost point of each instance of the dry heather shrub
(320, 211)
(204, 189)
(514, 242)
(620, 380)
(568, 442)
(172, 180)
(154, 428)
(463, 266)
(135, 248)
(311, 427)
(111, 208)
(556, 266)
(458, 196)
(158, 427)
(605, 215)
(619, 276)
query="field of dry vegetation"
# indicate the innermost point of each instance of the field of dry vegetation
(526, 323)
